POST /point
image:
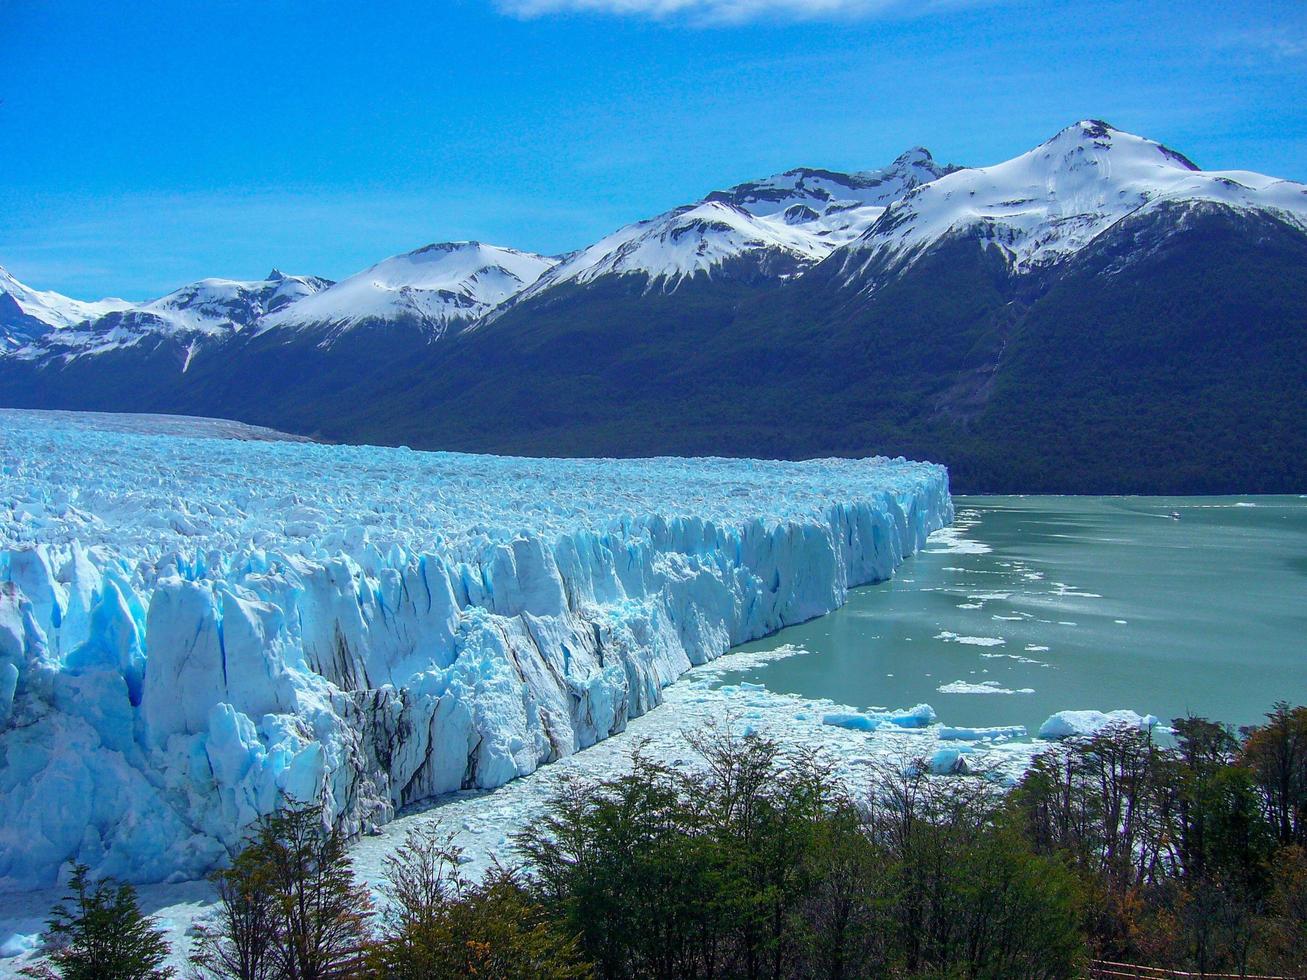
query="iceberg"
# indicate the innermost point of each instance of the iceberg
(1069, 724)
(953, 733)
(950, 760)
(197, 626)
(918, 716)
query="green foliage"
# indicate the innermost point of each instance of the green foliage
(757, 866)
(630, 872)
(99, 933)
(492, 929)
(441, 926)
(289, 905)
(1277, 754)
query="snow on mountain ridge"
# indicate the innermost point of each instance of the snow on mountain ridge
(1052, 201)
(801, 216)
(437, 285)
(27, 313)
(206, 309)
(212, 305)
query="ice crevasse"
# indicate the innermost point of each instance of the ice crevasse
(196, 628)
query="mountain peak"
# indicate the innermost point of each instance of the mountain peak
(451, 248)
(276, 275)
(435, 285)
(1102, 135)
(913, 156)
(1050, 202)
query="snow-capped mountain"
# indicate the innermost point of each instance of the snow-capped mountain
(833, 206)
(207, 310)
(27, 313)
(434, 286)
(217, 305)
(780, 225)
(1049, 203)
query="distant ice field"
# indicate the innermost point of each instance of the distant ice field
(145, 484)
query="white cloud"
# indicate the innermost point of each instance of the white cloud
(717, 11)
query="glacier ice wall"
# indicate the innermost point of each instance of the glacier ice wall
(194, 628)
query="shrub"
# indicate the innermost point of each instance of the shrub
(99, 933)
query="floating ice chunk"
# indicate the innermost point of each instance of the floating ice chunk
(951, 541)
(18, 944)
(855, 720)
(949, 733)
(1065, 724)
(918, 716)
(971, 641)
(984, 687)
(951, 760)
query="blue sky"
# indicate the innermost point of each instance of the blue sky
(147, 144)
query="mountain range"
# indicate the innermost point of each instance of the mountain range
(1095, 315)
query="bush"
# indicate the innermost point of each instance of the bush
(439, 925)
(289, 906)
(99, 933)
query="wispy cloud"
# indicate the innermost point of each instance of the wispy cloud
(727, 11)
(1265, 44)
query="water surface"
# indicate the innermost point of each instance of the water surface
(1075, 602)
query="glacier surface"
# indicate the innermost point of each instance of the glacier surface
(195, 627)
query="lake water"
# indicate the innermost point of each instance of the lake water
(1073, 602)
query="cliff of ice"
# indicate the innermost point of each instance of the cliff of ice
(194, 628)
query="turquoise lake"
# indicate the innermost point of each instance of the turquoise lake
(1031, 605)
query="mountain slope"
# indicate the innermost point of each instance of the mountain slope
(202, 312)
(432, 288)
(1049, 203)
(26, 313)
(1183, 369)
(1187, 286)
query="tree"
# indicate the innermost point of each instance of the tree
(761, 810)
(421, 876)
(1283, 940)
(846, 917)
(320, 914)
(1277, 753)
(239, 946)
(627, 867)
(288, 906)
(494, 929)
(1018, 914)
(98, 932)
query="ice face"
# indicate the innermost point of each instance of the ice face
(194, 629)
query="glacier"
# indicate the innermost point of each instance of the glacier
(198, 625)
